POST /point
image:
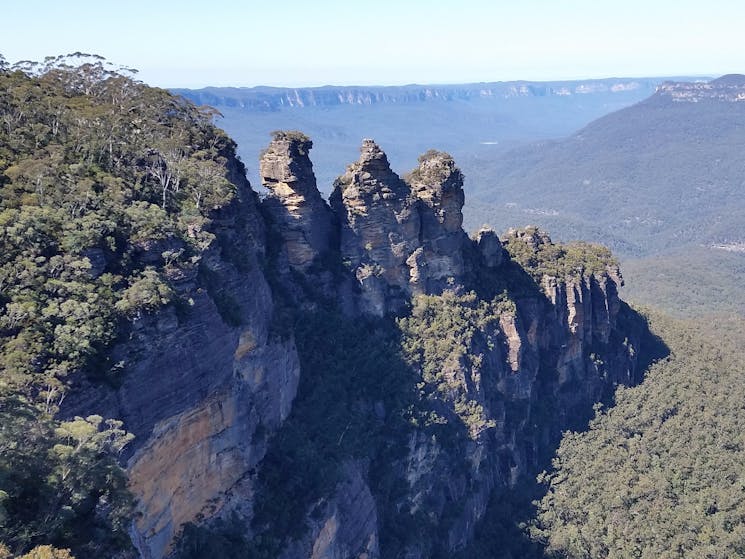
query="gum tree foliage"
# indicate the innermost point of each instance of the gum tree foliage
(659, 475)
(96, 170)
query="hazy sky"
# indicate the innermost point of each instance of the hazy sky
(315, 42)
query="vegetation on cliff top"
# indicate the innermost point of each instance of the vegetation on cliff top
(533, 250)
(106, 190)
(660, 473)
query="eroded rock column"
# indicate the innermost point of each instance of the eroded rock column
(439, 262)
(379, 229)
(300, 216)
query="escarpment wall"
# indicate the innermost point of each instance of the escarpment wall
(203, 383)
(206, 383)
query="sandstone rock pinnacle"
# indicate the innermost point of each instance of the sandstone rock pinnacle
(300, 215)
(379, 228)
(438, 185)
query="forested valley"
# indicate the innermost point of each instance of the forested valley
(118, 205)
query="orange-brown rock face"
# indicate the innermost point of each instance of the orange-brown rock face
(195, 463)
(299, 214)
(380, 228)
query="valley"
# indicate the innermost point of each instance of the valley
(466, 120)
(287, 340)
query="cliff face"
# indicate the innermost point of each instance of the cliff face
(273, 99)
(729, 88)
(499, 358)
(299, 214)
(529, 344)
(204, 382)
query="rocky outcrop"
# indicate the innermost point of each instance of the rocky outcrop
(298, 213)
(489, 247)
(440, 260)
(401, 237)
(203, 382)
(380, 227)
(729, 88)
(524, 370)
(529, 372)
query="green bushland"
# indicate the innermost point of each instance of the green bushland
(106, 190)
(560, 260)
(695, 281)
(659, 474)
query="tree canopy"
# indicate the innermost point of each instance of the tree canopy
(106, 190)
(659, 475)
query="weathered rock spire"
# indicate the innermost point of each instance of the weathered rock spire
(299, 214)
(379, 228)
(439, 262)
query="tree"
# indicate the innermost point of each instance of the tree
(47, 552)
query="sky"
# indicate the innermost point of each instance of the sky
(387, 42)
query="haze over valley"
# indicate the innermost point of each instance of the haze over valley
(468, 120)
(333, 280)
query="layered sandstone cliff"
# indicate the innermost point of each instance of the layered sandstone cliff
(502, 354)
(204, 381)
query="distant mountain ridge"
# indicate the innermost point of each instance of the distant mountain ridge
(263, 98)
(661, 174)
(730, 87)
(462, 119)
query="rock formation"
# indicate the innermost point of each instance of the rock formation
(556, 345)
(298, 213)
(380, 228)
(401, 237)
(205, 385)
(439, 263)
(489, 246)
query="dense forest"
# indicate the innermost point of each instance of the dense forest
(659, 474)
(108, 191)
(96, 170)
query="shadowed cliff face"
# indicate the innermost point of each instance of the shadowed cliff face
(496, 351)
(204, 382)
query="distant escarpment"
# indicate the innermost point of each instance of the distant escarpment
(727, 88)
(439, 370)
(302, 378)
(277, 98)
